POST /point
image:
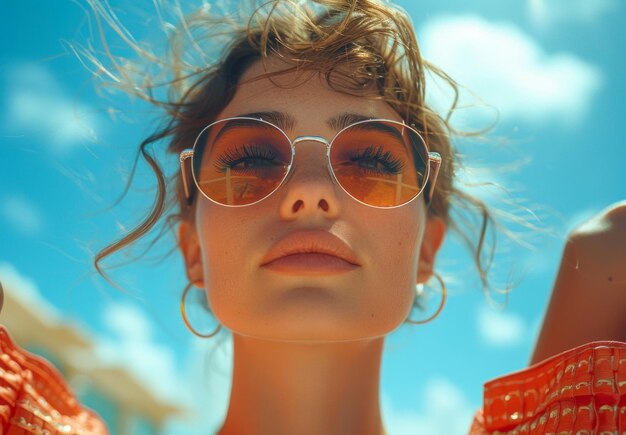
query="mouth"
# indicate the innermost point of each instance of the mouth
(311, 263)
(310, 253)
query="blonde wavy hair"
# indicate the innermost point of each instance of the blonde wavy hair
(355, 44)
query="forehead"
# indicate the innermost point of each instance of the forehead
(303, 95)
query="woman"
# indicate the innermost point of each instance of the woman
(313, 196)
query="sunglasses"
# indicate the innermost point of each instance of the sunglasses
(240, 161)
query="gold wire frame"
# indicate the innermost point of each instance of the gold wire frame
(433, 164)
(184, 314)
(443, 301)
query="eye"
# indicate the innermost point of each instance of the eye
(247, 157)
(375, 159)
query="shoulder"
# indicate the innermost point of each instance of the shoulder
(34, 397)
(581, 389)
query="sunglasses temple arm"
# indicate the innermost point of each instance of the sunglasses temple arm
(185, 173)
(435, 164)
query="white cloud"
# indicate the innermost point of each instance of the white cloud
(27, 291)
(508, 69)
(203, 383)
(500, 329)
(22, 214)
(134, 348)
(545, 13)
(37, 103)
(446, 411)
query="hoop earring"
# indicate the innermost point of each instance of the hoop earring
(443, 301)
(187, 324)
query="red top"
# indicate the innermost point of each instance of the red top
(581, 390)
(35, 399)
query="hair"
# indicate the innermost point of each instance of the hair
(354, 44)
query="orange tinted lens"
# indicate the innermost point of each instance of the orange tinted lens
(380, 163)
(240, 161)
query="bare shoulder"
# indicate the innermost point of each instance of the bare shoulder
(596, 249)
(603, 237)
(588, 301)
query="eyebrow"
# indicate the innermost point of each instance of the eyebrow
(281, 119)
(287, 122)
(239, 123)
(341, 121)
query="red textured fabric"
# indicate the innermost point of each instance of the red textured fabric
(579, 391)
(35, 399)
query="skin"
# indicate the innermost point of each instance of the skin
(588, 301)
(307, 349)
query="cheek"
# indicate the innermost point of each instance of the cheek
(393, 254)
(224, 245)
(397, 238)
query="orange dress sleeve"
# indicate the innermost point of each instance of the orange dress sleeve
(35, 399)
(580, 391)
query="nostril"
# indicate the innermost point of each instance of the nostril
(297, 205)
(323, 204)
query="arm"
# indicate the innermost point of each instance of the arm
(588, 302)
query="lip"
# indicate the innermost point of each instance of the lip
(310, 251)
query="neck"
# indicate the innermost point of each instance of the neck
(304, 388)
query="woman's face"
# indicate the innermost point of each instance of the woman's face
(228, 245)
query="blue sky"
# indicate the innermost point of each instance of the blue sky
(553, 69)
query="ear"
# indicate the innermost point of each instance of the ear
(431, 242)
(190, 248)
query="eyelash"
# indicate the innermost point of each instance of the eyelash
(244, 153)
(392, 165)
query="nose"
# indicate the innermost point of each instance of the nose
(311, 189)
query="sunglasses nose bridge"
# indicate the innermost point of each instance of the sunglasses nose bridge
(317, 139)
(311, 139)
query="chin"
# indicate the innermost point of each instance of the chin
(316, 329)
